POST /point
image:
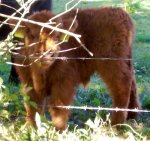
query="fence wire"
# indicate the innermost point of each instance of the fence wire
(101, 108)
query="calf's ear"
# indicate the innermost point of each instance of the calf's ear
(20, 32)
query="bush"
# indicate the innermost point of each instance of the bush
(132, 5)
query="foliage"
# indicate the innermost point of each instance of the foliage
(95, 130)
(132, 5)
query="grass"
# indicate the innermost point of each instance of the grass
(85, 125)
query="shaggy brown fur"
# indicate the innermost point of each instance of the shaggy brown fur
(107, 33)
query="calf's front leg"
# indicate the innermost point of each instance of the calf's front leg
(61, 95)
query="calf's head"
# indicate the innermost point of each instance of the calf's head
(41, 42)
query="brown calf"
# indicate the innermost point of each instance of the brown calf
(107, 33)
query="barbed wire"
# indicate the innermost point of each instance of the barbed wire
(81, 58)
(66, 59)
(100, 108)
(85, 108)
(91, 58)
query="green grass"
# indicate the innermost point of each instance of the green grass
(11, 104)
(60, 5)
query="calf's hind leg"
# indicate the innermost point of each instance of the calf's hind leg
(117, 78)
(134, 101)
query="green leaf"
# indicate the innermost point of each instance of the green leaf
(33, 104)
(4, 113)
(26, 98)
(97, 102)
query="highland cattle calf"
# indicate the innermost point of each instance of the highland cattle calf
(107, 33)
